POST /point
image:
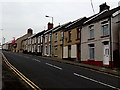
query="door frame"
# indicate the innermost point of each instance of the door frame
(106, 50)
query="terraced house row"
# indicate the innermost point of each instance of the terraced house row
(91, 40)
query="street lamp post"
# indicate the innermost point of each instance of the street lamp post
(50, 17)
(1, 35)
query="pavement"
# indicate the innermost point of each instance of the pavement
(48, 72)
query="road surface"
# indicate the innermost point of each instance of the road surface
(51, 74)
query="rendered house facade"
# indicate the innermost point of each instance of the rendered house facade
(99, 38)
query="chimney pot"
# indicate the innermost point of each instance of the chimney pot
(30, 31)
(50, 25)
(103, 7)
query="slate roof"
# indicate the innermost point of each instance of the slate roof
(76, 23)
(102, 15)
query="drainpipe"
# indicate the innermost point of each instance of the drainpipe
(111, 54)
(51, 43)
(62, 44)
(80, 28)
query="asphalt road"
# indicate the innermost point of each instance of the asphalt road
(51, 74)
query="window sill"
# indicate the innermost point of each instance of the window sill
(104, 36)
(91, 38)
(91, 60)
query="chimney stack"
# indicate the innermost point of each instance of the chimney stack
(30, 31)
(103, 7)
(50, 25)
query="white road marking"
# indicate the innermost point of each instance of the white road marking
(54, 66)
(36, 60)
(96, 81)
(49, 64)
(57, 67)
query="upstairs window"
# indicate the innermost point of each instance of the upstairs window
(46, 38)
(50, 37)
(35, 40)
(61, 35)
(91, 31)
(41, 39)
(78, 33)
(69, 35)
(105, 30)
(56, 36)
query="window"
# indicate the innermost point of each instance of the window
(69, 34)
(32, 41)
(35, 40)
(49, 37)
(91, 31)
(78, 33)
(91, 51)
(41, 39)
(105, 30)
(61, 35)
(56, 36)
(46, 38)
(56, 51)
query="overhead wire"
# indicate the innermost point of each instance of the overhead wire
(92, 6)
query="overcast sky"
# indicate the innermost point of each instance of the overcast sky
(16, 16)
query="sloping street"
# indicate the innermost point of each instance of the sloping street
(51, 74)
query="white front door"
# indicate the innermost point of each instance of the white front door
(106, 55)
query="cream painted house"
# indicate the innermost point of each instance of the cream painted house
(99, 38)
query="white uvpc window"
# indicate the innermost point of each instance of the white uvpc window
(56, 36)
(105, 29)
(61, 34)
(91, 31)
(56, 51)
(41, 39)
(46, 38)
(35, 40)
(91, 51)
(49, 37)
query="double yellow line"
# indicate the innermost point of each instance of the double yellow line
(26, 80)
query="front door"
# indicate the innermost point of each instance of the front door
(106, 55)
(69, 51)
